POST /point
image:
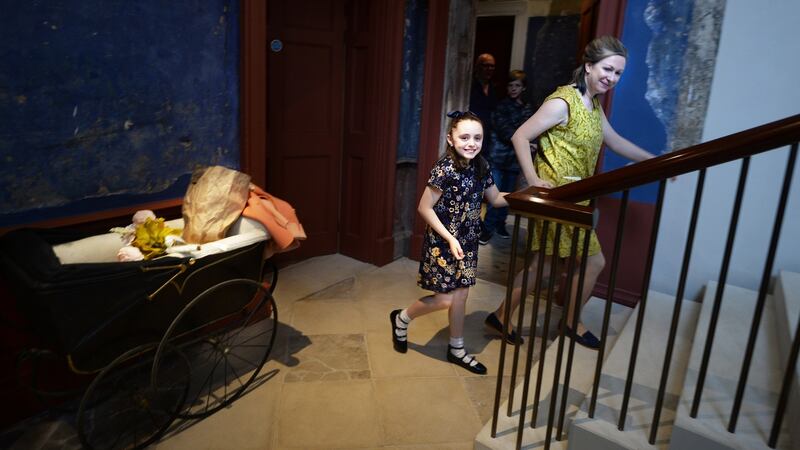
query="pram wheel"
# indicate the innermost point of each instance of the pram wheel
(227, 353)
(121, 409)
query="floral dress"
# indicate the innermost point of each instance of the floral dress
(459, 210)
(572, 149)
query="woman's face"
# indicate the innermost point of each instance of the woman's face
(466, 138)
(515, 89)
(603, 75)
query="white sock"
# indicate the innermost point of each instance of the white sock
(401, 321)
(457, 347)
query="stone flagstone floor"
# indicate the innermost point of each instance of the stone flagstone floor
(333, 380)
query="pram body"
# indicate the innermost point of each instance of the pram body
(169, 332)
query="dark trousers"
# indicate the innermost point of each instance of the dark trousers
(506, 181)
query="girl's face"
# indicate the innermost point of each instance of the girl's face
(603, 75)
(515, 89)
(466, 138)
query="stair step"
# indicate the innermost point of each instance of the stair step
(601, 431)
(709, 429)
(787, 312)
(580, 383)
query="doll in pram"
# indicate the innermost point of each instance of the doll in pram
(179, 336)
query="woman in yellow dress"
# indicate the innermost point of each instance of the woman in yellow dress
(571, 128)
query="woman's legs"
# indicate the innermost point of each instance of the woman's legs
(516, 293)
(594, 265)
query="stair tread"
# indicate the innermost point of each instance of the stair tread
(580, 383)
(652, 348)
(763, 382)
(787, 296)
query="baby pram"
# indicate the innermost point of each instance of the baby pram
(174, 337)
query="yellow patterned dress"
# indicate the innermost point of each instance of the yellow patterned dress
(572, 149)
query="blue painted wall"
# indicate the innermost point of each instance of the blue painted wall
(411, 89)
(111, 103)
(655, 33)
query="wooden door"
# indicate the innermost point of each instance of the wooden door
(305, 78)
(495, 35)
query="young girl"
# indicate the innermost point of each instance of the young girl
(451, 206)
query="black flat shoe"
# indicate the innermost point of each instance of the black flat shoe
(493, 324)
(399, 346)
(586, 339)
(468, 362)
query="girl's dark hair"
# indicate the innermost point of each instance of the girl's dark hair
(481, 166)
(600, 48)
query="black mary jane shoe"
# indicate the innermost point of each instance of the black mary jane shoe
(399, 346)
(466, 362)
(587, 339)
(493, 324)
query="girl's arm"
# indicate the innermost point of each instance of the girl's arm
(495, 197)
(425, 208)
(620, 145)
(552, 112)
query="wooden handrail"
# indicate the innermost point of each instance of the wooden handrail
(531, 202)
(725, 149)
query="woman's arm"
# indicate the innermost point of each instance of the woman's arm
(620, 145)
(425, 208)
(495, 197)
(552, 112)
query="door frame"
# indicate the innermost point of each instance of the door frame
(375, 242)
(253, 90)
(431, 121)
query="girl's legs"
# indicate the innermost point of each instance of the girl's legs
(456, 353)
(455, 301)
(457, 311)
(402, 318)
(430, 303)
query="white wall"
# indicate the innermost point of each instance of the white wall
(756, 81)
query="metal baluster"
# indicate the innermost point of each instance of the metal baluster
(546, 325)
(598, 370)
(536, 292)
(511, 270)
(762, 292)
(562, 328)
(579, 288)
(637, 333)
(676, 312)
(786, 387)
(723, 277)
(521, 314)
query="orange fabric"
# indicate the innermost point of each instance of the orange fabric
(278, 217)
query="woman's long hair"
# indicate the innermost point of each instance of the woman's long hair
(481, 166)
(596, 50)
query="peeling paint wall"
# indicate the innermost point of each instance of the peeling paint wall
(754, 74)
(112, 103)
(656, 35)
